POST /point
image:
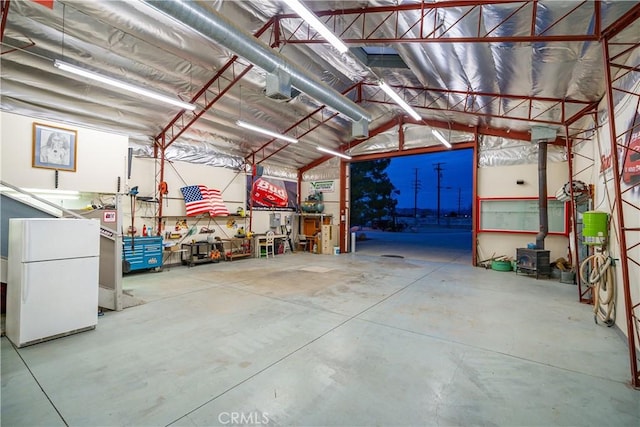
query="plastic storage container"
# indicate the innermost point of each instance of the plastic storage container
(595, 227)
(501, 265)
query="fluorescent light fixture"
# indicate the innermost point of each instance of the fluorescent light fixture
(122, 85)
(52, 192)
(315, 23)
(441, 138)
(335, 153)
(47, 195)
(266, 131)
(385, 87)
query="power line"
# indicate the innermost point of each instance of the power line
(416, 188)
(438, 168)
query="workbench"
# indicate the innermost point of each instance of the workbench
(198, 252)
(236, 247)
(170, 254)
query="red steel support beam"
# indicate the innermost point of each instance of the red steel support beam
(4, 11)
(344, 212)
(299, 122)
(575, 261)
(160, 180)
(474, 197)
(302, 133)
(401, 134)
(216, 87)
(621, 23)
(620, 222)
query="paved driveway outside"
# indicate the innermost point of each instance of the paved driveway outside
(436, 244)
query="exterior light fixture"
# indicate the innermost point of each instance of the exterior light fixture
(122, 85)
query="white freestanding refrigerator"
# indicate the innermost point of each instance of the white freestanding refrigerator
(52, 278)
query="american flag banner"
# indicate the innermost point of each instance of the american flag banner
(199, 199)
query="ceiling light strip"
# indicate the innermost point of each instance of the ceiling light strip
(385, 87)
(266, 131)
(315, 23)
(335, 153)
(122, 85)
(441, 138)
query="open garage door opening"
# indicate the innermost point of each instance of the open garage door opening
(417, 207)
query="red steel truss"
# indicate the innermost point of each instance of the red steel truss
(303, 127)
(226, 77)
(230, 74)
(534, 109)
(616, 55)
(524, 108)
(424, 23)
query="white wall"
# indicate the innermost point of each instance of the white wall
(231, 183)
(260, 220)
(331, 199)
(101, 158)
(500, 181)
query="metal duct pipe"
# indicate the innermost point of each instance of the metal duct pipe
(542, 194)
(222, 31)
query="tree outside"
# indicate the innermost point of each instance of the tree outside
(372, 202)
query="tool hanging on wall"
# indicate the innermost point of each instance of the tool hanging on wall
(163, 188)
(597, 270)
(602, 283)
(129, 159)
(126, 264)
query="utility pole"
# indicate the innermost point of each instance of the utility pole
(416, 187)
(459, 199)
(438, 168)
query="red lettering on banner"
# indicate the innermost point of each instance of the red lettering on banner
(605, 163)
(45, 3)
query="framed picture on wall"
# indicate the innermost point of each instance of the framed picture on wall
(54, 147)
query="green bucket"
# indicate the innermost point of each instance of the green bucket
(501, 265)
(595, 227)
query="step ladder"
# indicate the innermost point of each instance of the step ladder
(286, 244)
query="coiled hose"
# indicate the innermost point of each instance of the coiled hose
(603, 289)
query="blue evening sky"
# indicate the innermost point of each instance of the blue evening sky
(456, 180)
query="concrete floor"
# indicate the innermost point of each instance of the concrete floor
(355, 339)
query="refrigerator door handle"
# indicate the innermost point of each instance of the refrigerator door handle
(25, 292)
